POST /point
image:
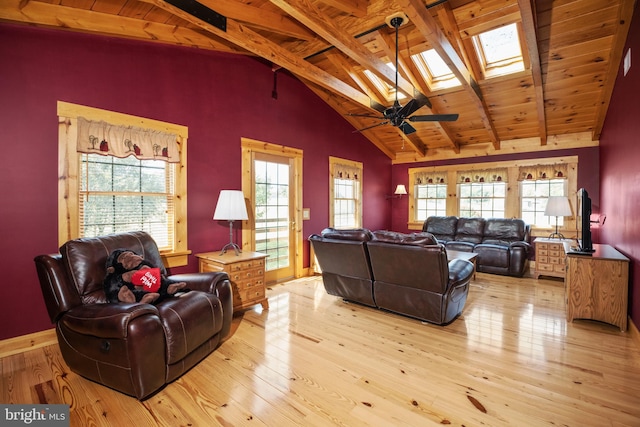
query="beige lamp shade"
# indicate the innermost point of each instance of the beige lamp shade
(400, 189)
(231, 206)
(558, 206)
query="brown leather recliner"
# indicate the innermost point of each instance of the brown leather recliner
(133, 348)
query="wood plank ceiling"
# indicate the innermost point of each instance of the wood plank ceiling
(572, 50)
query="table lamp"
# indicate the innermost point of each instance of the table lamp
(557, 206)
(231, 207)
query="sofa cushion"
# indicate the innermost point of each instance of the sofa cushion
(492, 255)
(498, 231)
(470, 230)
(442, 227)
(415, 239)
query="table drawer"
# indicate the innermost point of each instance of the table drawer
(544, 267)
(241, 297)
(246, 265)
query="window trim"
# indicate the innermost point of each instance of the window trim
(552, 220)
(430, 198)
(333, 162)
(513, 198)
(69, 185)
(502, 67)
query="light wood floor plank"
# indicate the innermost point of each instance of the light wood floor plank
(510, 359)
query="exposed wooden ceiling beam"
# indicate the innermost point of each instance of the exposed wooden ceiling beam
(335, 103)
(340, 61)
(305, 12)
(50, 15)
(353, 7)
(274, 22)
(531, 40)
(430, 30)
(248, 39)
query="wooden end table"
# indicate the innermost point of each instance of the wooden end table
(246, 273)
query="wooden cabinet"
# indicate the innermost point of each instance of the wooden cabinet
(550, 257)
(597, 286)
(246, 273)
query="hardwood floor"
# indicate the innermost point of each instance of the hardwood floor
(511, 359)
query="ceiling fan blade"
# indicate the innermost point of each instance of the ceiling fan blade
(372, 126)
(434, 118)
(406, 128)
(410, 108)
(365, 115)
(377, 106)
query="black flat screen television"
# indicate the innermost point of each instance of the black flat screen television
(584, 213)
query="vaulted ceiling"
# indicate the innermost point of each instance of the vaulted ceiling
(572, 50)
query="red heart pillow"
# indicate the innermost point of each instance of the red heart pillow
(147, 278)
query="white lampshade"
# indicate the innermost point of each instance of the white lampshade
(231, 206)
(558, 206)
(400, 189)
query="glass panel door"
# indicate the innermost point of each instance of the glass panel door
(273, 214)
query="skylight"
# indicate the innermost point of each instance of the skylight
(499, 51)
(434, 70)
(386, 90)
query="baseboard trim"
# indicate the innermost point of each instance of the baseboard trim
(28, 342)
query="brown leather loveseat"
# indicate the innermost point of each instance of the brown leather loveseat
(133, 348)
(407, 274)
(502, 245)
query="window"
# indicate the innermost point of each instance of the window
(431, 200)
(482, 199)
(118, 195)
(387, 91)
(534, 200)
(499, 51)
(102, 190)
(434, 70)
(489, 189)
(346, 193)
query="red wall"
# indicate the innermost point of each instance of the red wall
(620, 167)
(220, 97)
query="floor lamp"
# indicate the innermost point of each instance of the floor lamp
(231, 207)
(557, 206)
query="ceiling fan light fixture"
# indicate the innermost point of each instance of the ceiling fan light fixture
(396, 20)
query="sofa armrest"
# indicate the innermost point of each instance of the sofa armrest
(524, 245)
(106, 320)
(205, 282)
(460, 271)
(213, 282)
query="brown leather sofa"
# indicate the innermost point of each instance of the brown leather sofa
(407, 274)
(502, 245)
(133, 348)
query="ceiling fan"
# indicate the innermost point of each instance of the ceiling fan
(397, 115)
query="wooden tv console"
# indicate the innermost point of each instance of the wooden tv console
(597, 285)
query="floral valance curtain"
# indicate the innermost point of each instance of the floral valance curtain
(343, 171)
(557, 171)
(430, 178)
(100, 137)
(489, 175)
